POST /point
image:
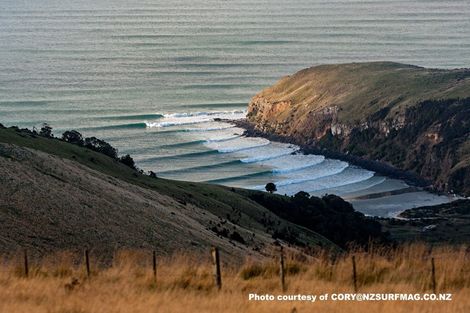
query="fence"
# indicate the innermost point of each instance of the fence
(217, 270)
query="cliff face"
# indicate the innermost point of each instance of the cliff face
(413, 118)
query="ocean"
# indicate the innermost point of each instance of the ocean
(151, 76)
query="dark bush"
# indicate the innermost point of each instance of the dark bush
(237, 237)
(329, 216)
(46, 131)
(101, 146)
(128, 161)
(73, 137)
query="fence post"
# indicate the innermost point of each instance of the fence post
(332, 266)
(433, 276)
(354, 272)
(26, 263)
(154, 263)
(281, 271)
(87, 263)
(216, 264)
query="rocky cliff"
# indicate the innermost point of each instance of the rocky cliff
(412, 118)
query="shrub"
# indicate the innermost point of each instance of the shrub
(237, 237)
(73, 137)
(46, 131)
(128, 161)
(101, 146)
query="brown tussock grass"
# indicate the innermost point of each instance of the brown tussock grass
(59, 284)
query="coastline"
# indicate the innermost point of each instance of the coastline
(381, 168)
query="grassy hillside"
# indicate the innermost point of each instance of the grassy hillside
(362, 89)
(184, 282)
(413, 118)
(50, 188)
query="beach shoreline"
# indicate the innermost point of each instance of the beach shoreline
(381, 168)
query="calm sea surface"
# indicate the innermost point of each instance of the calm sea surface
(151, 76)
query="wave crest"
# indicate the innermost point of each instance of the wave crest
(177, 119)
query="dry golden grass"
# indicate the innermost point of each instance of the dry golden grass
(185, 283)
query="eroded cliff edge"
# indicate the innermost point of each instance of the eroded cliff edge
(412, 118)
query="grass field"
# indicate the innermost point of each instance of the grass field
(185, 283)
(362, 89)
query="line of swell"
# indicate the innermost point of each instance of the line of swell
(153, 148)
(303, 180)
(240, 177)
(268, 157)
(132, 117)
(119, 126)
(196, 142)
(232, 150)
(183, 155)
(370, 185)
(200, 167)
(298, 168)
(343, 184)
(234, 162)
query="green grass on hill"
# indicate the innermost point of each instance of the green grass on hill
(361, 89)
(301, 220)
(219, 200)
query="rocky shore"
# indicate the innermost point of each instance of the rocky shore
(378, 167)
(399, 120)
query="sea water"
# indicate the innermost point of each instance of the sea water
(154, 77)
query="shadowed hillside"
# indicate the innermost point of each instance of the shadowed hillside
(56, 195)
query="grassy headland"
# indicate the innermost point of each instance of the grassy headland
(413, 118)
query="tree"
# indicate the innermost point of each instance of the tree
(302, 195)
(101, 146)
(152, 174)
(46, 130)
(271, 187)
(74, 137)
(128, 161)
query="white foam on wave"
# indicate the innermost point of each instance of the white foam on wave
(210, 127)
(177, 119)
(224, 133)
(237, 144)
(222, 138)
(326, 168)
(354, 189)
(350, 175)
(291, 163)
(272, 151)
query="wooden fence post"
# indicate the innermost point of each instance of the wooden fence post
(433, 276)
(26, 263)
(216, 264)
(332, 266)
(354, 273)
(154, 263)
(87, 263)
(281, 271)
